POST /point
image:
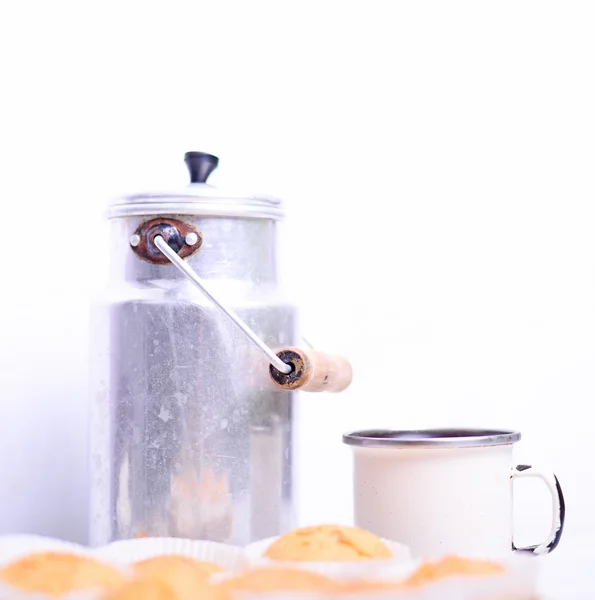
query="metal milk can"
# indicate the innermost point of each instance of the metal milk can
(196, 365)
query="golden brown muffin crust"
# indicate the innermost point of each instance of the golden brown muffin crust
(149, 588)
(452, 565)
(362, 587)
(186, 576)
(328, 543)
(272, 579)
(170, 565)
(57, 573)
(142, 589)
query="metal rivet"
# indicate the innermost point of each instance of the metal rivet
(191, 239)
(134, 239)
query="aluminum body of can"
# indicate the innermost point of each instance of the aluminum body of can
(189, 438)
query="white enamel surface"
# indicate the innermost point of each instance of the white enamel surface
(436, 500)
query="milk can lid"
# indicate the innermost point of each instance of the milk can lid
(198, 197)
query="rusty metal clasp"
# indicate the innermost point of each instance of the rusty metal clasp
(182, 238)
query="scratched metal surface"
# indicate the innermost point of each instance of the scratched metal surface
(190, 438)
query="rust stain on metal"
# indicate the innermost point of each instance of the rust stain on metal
(174, 232)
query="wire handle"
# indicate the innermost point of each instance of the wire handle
(291, 368)
(230, 314)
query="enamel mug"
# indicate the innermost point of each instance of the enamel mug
(444, 490)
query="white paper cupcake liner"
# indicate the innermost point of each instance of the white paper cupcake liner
(241, 595)
(400, 565)
(226, 556)
(447, 591)
(517, 582)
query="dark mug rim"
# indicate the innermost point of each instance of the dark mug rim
(463, 437)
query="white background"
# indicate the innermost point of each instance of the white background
(437, 164)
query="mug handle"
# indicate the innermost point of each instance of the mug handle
(558, 508)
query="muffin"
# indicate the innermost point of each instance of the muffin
(57, 573)
(452, 566)
(182, 574)
(174, 566)
(273, 579)
(142, 589)
(369, 587)
(152, 588)
(328, 543)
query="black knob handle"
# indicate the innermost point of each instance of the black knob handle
(200, 165)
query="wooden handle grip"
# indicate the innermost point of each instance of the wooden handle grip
(313, 371)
